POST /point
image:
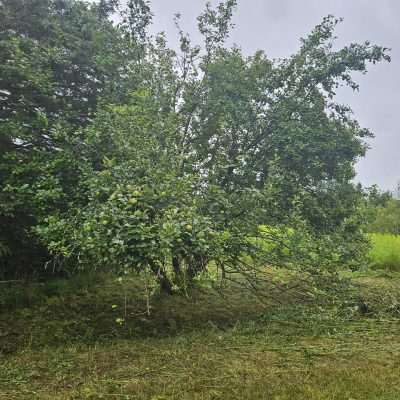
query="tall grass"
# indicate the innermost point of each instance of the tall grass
(385, 252)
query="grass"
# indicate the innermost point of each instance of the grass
(385, 252)
(61, 341)
(246, 363)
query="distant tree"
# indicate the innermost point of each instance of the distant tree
(374, 203)
(377, 197)
(387, 218)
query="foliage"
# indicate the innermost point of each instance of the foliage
(57, 59)
(375, 200)
(377, 197)
(387, 218)
(182, 155)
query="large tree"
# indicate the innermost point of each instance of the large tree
(213, 146)
(58, 58)
(201, 157)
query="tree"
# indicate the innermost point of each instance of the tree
(386, 218)
(190, 160)
(213, 146)
(57, 59)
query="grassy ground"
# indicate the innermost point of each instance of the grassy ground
(385, 251)
(353, 362)
(62, 341)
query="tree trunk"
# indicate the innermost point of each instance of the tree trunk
(163, 280)
(176, 265)
(197, 265)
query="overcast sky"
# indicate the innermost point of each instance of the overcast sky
(276, 26)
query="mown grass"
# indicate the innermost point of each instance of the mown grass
(62, 342)
(356, 362)
(385, 252)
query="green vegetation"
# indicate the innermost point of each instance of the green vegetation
(183, 224)
(63, 342)
(385, 252)
(383, 216)
(387, 218)
(119, 153)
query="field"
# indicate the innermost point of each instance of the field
(63, 341)
(385, 253)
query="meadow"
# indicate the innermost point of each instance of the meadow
(385, 252)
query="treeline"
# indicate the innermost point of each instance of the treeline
(117, 152)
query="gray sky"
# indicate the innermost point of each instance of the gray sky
(276, 26)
